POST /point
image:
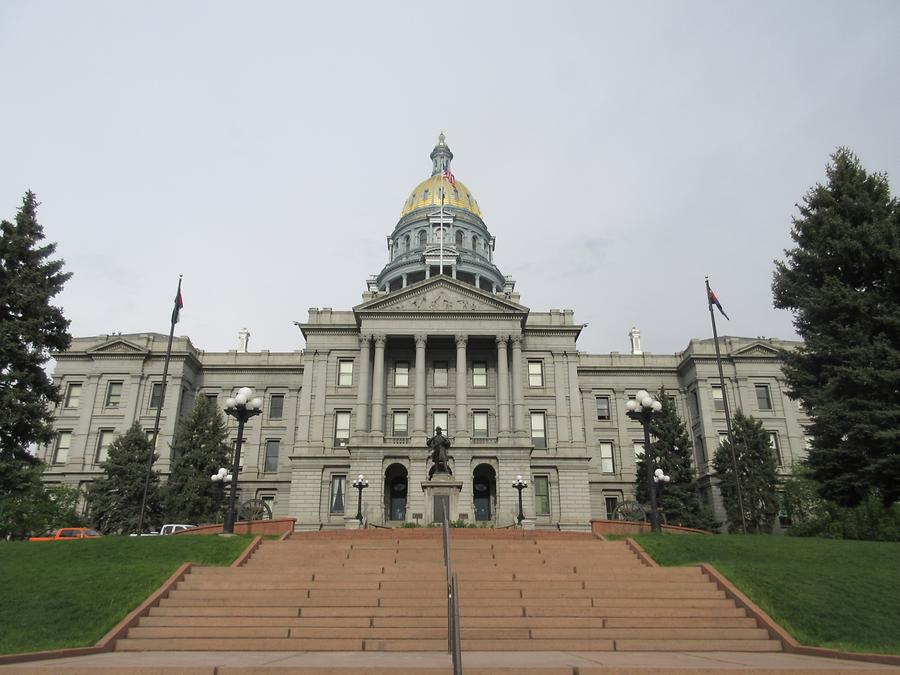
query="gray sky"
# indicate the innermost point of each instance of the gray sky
(619, 151)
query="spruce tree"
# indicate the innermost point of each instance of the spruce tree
(115, 500)
(756, 466)
(200, 450)
(30, 327)
(679, 499)
(842, 282)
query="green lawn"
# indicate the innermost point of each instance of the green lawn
(70, 593)
(827, 593)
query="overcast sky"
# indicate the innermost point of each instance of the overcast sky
(619, 151)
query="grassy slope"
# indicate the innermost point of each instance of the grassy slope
(69, 593)
(827, 593)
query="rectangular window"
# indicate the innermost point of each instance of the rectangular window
(440, 374)
(535, 373)
(213, 399)
(338, 494)
(638, 450)
(763, 399)
(538, 430)
(401, 373)
(345, 373)
(401, 423)
(603, 407)
(442, 420)
(156, 395)
(113, 394)
(73, 395)
(542, 495)
(341, 428)
(702, 459)
(723, 438)
(695, 404)
(271, 463)
(63, 443)
(718, 399)
(479, 374)
(276, 406)
(776, 449)
(480, 423)
(606, 458)
(611, 504)
(104, 440)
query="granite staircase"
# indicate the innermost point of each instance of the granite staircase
(385, 590)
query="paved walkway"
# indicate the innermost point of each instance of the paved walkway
(555, 663)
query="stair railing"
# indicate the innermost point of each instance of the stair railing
(453, 641)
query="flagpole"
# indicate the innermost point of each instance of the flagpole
(734, 464)
(441, 264)
(162, 400)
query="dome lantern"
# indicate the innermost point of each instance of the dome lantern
(440, 157)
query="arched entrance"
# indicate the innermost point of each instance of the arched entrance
(484, 492)
(396, 486)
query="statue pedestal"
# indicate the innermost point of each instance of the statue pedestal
(441, 493)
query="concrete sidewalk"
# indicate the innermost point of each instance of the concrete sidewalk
(474, 663)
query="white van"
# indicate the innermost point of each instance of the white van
(172, 528)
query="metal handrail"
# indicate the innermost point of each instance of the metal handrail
(453, 641)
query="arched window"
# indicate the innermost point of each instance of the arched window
(406, 243)
(459, 238)
(474, 243)
(423, 238)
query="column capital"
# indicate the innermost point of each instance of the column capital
(461, 340)
(501, 340)
(380, 339)
(421, 339)
(516, 340)
(365, 339)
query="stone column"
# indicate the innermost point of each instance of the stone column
(462, 425)
(518, 394)
(362, 392)
(377, 424)
(502, 385)
(419, 401)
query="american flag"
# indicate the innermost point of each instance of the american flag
(446, 175)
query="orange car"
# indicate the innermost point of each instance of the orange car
(68, 533)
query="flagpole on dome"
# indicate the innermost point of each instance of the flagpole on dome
(176, 315)
(711, 300)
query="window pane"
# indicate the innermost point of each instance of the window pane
(542, 495)
(776, 449)
(276, 406)
(638, 450)
(763, 400)
(611, 504)
(113, 394)
(338, 488)
(441, 419)
(341, 428)
(538, 432)
(63, 443)
(400, 423)
(480, 423)
(440, 373)
(535, 374)
(73, 395)
(479, 374)
(718, 400)
(345, 373)
(156, 395)
(401, 374)
(606, 458)
(271, 456)
(104, 440)
(603, 407)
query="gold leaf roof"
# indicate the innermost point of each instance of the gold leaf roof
(427, 194)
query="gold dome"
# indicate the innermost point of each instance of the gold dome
(427, 194)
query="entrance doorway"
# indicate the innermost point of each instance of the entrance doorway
(484, 492)
(396, 486)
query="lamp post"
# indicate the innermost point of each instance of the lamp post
(360, 484)
(643, 408)
(520, 484)
(241, 407)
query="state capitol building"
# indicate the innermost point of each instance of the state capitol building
(440, 339)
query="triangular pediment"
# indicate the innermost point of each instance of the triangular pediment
(440, 295)
(757, 349)
(117, 346)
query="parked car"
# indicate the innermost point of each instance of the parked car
(172, 528)
(66, 533)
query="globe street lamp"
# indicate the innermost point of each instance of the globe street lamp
(643, 408)
(360, 484)
(241, 407)
(520, 484)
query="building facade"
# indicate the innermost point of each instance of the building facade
(440, 339)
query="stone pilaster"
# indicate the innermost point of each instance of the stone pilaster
(363, 387)
(518, 394)
(419, 401)
(502, 385)
(377, 423)
(462, 425)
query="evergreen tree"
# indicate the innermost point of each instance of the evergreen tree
(30, 327)
(672, 451)
(115, 499)
(842, 282)
(756, 467)
(200, 450)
